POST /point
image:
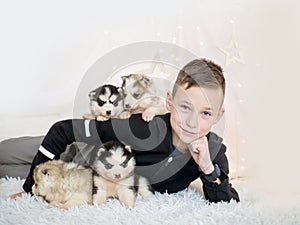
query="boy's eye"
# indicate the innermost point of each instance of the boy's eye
(206, 114)
(185, 107)
(108, 166)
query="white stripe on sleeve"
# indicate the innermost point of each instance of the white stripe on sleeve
(87, 128)
(46, 152)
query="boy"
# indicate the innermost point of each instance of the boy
(173, 149)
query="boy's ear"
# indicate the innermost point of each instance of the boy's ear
(219, 116)
(169, 99)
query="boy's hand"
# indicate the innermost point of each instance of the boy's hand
(200, 153)
(16, 195)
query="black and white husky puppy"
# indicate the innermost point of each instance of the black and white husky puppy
(144, 94)
(106, 101)
(114, 165)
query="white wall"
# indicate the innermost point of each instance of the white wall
(47, 46)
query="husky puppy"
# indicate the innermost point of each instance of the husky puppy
(143, 95)
(63, 184)
(105, 102)
(115, 166)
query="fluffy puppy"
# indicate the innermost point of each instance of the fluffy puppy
(144, 95)
(115, 166)
(105, 102)
(63, 184)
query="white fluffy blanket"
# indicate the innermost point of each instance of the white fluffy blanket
(186, 207)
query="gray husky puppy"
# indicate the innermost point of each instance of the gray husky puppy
(115, 166)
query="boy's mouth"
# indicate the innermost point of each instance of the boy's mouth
(188, 133)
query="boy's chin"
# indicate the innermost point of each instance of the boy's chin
(188, 139)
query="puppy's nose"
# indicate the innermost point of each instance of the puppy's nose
(108, 112)
(127, 106)
(117, 176)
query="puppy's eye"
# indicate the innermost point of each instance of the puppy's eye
(137, 95)
(124, 164)
(108, 166)
(36, 185)
(44, 171)
(100, 102)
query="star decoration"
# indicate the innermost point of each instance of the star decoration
(157, 67)
(232, 52)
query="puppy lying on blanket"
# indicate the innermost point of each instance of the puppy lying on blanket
(63, 184)
(115, 166)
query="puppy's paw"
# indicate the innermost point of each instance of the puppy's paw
(88, 116)
(127, 198)
(54, 204)
(148, 115)
(125, 115)
(102, 118)
(99, 198)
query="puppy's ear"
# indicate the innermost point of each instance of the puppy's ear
(146, 81)
(100, 150)
(92, 95)
(121, 92)
(128, 148)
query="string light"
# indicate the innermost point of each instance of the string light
(174, 40)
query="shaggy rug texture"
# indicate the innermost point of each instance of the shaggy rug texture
(186, 207)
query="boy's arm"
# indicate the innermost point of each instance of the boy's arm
(215, 191)
(92, 132)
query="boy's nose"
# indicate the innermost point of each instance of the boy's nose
(192, 121)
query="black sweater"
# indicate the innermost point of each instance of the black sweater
(152, 146)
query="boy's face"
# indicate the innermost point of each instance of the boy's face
(193, 112)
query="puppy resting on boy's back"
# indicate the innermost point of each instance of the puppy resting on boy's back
(145, 95)
(63, 184)
(106, 102)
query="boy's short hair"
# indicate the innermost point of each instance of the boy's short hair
(201, 73)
